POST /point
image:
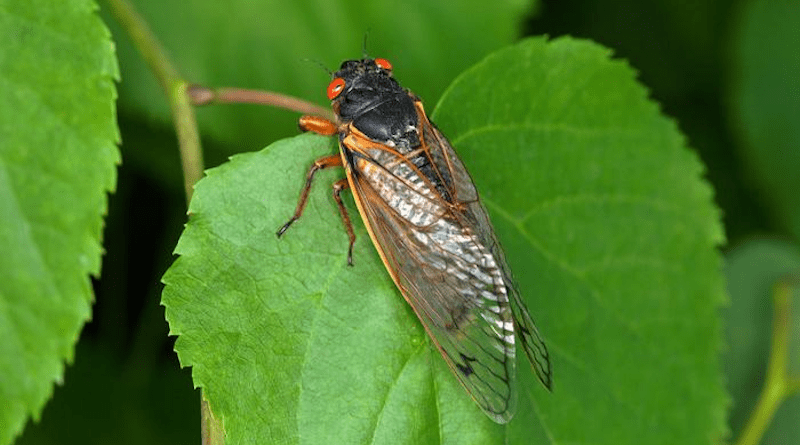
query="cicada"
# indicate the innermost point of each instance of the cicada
(423, 214)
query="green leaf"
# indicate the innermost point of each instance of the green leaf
(57, 161)
(753, 269)
(606, 223)
(767, 104)
(278, 45)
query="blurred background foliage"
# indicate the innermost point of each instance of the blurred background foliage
(727, 71)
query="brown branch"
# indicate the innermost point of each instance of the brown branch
(201, 95)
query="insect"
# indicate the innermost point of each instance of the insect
(423, 214)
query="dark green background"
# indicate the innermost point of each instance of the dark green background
(125, 385)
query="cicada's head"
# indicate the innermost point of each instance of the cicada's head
(361, 85)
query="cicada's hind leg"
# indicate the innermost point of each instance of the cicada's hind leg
(338, 186)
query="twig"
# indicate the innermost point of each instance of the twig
(201, 95)
(778, 385)
(174, 88)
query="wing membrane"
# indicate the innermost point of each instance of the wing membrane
(530, 339)
(435, 238)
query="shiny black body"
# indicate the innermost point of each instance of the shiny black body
(377, 105)
(385, 112)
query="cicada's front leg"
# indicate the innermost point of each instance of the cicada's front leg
(318, 125)
(324, 127)
(319, 164)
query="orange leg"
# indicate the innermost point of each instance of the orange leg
(319, 164)
(324, 127)
(338, 186)
(318, 125)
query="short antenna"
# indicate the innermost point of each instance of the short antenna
(319, 64)
(364, 45)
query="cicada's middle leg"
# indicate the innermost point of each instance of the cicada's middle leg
(338, 186)
(325, 127)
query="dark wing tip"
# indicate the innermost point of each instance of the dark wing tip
(542, 367)
(546, 378)
(535, 350)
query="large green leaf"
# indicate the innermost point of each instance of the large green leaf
(766, 103)
(606, 222)
(278, 45)
(753, 269)
(57, 162)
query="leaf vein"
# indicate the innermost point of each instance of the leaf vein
(547, 127)
(396, 378)
(609, 198)
(576, 273)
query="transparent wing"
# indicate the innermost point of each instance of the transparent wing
(475, 216)
(435, 238)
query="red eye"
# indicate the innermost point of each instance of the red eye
(335, 88)
(383, 63)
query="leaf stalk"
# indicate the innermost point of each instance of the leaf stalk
(779, 384)
(173, 85)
